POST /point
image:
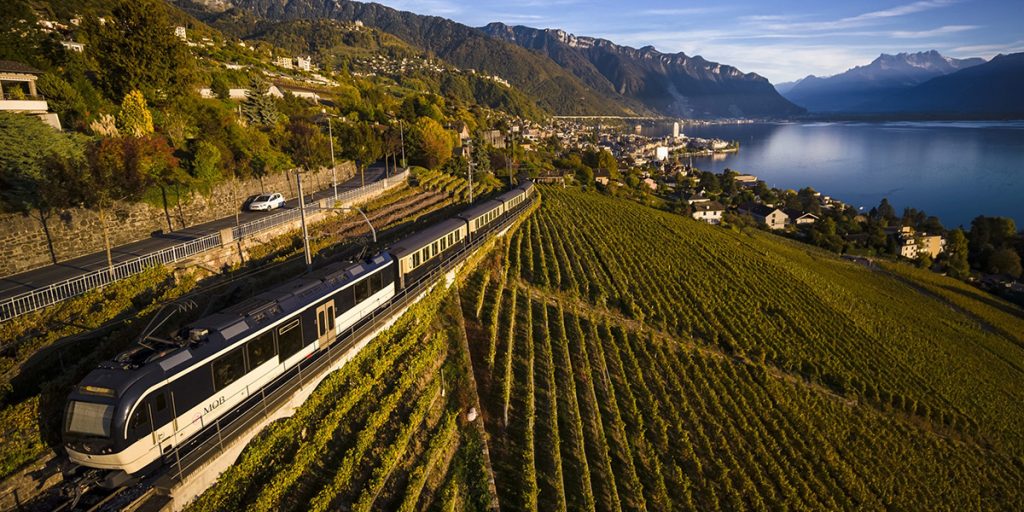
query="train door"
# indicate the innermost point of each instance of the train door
(325, 317)
(163, 416)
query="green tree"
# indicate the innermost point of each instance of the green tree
(134, 118)
(259, 107)
(135, 49)
(63, 99)
(219, 86)
(1004, 261)
(205, 165)
(307, 145)
(40, 169)
(956, 255)
(432, 145)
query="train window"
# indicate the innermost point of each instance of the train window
(321, 322)
(362, 290)
(289, 339)
(261, 349)
(228, 368)
(381, 282)
(330, 317)
(344, 300)
(161, 402)
(416, 259)
(139, 422)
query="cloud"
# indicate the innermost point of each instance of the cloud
(914, 34)
(782, 23)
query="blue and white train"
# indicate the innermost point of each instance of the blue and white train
(129, 412)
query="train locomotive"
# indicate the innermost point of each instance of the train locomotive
(129, 413)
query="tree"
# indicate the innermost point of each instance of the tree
(40, 169)
(114, 174)
(134, 118)
(956, 255)
(1004, 261)
(259, 107)
(205, 164)
(63, 99)
(432, 144)
(135, 49)
(219, 86)
(885, 210)
(308, 145)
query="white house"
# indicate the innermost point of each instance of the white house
(710, 212)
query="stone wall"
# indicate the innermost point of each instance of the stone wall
(77, 232)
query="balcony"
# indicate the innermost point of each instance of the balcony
(35, 104)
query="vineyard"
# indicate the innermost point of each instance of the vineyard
(455, 186)
(384, 432)
(630, 359)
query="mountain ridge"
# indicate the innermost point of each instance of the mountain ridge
(886, 75)
(672, 83)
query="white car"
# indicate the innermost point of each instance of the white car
(266, 202)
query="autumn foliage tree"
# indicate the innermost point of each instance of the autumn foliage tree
(432, 144)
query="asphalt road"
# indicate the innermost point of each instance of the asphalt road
(45, 276)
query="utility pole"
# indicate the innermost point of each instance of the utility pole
(330, 137)
(401, 133)
(305, 232)
(470, 172)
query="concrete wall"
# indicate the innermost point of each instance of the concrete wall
(77, 232)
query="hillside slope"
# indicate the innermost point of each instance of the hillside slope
(629, 358)
(672, 84)
(554, 88)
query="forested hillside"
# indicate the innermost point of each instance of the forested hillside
(630, 358)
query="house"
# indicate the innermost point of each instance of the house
(799, 218)
(304, 63)
(72, 46)
(772, 217)
(651, 184)
(551, 178)
(934, 245)
(745, 179)
(18, 92)
(602, 176)
(462, 129)
(284, 62)
(908, 248)
(180, 33)
(698, 199)
(494, 138)
(710, 212)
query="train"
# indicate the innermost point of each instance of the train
(127, 414)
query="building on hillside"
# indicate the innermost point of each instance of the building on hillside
(284, 62)
(661, 153)
(304, 63)
(908, 247)
(180, 33)
(710, 212)
(745, 179)
(551, 178)
(799, 218)
(73, 46)
(494, 138)
(18, 92)
(602, 176)
(772, 217)
(651, 184)
(934, 245)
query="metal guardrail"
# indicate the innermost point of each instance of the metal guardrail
(210, 441)
(52, 294)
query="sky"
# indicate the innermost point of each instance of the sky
(782, 40)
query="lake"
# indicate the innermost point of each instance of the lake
(955, 170)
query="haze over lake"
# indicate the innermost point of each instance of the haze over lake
(956, 170)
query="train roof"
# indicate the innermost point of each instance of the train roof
(526, 185)
(213, 332)
(480, 209)
(420, 239)
(511, 194)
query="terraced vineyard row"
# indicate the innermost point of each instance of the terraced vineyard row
(799, 309)
(456, 186)
(631, 360)
(384, 432)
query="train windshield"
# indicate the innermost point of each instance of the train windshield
(90, 419)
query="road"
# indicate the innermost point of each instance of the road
(45, 276)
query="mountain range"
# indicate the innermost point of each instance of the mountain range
(671, 84)
(858, 88)
(567, 75)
